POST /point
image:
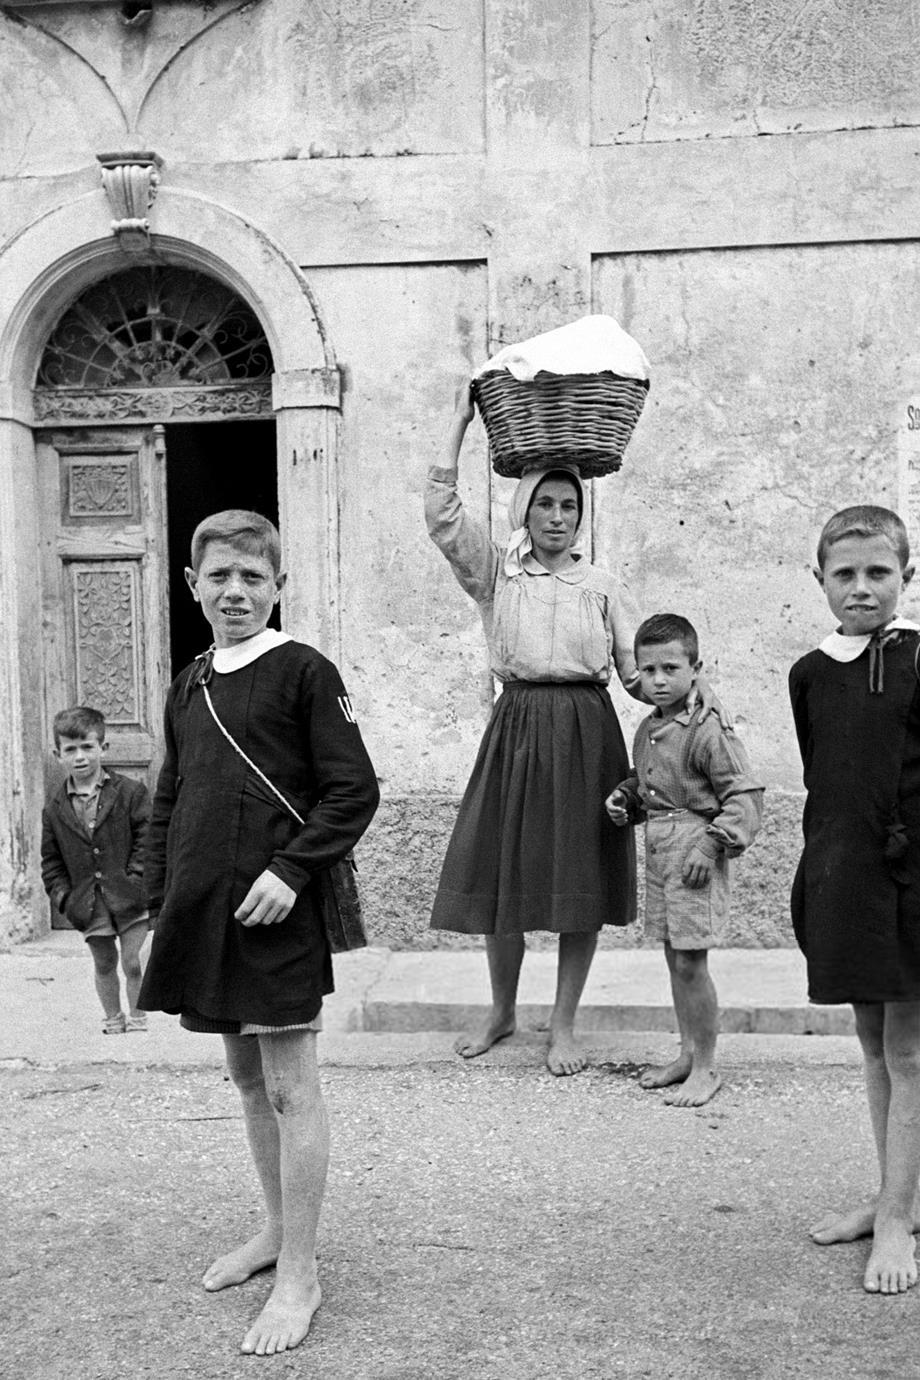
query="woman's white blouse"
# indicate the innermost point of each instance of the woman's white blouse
(539, 625)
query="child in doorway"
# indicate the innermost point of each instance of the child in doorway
(240, 947)
(93, 832)
(856, 895)
(693, 786)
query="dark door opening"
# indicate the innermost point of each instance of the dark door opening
(211, 466)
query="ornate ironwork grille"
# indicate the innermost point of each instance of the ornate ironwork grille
(157, 342)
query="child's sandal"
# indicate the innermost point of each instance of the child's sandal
(114, 1025)
(136, 1021)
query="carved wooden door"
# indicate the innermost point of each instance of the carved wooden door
(104, 595)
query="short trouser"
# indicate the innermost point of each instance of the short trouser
(204, 1025)
(104, 925)
(687, 918)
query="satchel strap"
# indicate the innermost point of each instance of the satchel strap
(248, 760)
(340, 904)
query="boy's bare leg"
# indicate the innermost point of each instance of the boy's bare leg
(105, 974)
(293, 1088)
(871, 1026)
(678, 1070)
(701, 1008)
(505, 955)
(870, 1030)
(244, 1064)
(565, 1055)
(892, 1267)
(132, 941)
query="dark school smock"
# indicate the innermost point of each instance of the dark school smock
(215, 827)
(856, 894)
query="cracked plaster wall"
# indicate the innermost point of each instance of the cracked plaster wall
(269, 79)
(729, 68)
(782, 376)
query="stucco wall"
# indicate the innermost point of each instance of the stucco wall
(737, 183)
(412, 649)
(781, 376)
(731, 68)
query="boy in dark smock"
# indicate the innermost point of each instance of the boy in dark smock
(856, 896)
(240, 948)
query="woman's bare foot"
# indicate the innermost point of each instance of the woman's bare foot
(284, 1321)
(700, 1087)
(492, 1030)
(565, 1055)
(236, 1266)
(663, 1075)
(892, 1267)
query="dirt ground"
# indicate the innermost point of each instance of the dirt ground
(483, 1222)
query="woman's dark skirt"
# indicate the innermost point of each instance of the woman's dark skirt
(533, 847)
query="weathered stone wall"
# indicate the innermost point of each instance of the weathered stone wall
(399, 861)
(736, 182)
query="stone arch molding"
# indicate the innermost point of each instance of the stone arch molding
(50, 262)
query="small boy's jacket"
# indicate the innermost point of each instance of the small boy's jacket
(77, 863)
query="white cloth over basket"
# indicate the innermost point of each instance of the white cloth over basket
(592, 345)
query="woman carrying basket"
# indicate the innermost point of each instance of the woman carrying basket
(532, 848)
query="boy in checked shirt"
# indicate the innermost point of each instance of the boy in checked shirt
(693, 786)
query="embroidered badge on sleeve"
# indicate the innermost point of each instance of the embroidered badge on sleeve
(345, 706)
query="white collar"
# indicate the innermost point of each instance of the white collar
(227, 659)
(571, 574)
(839, 647)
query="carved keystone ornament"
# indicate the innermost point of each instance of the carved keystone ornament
(130, 181)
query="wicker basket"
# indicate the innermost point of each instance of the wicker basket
(581, 419)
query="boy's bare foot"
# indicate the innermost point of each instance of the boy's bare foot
(484, 1037)
(850, 1226)
(565, 1055)
(892, 1267)
(844, 1226)
(699, 1088)
(236, 1266)
(663, 1075)
(284, 1321)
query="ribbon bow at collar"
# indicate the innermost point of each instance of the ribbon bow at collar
(840, 647)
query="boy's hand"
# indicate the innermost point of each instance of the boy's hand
(267, 901)
(697, 869)
(615, 805)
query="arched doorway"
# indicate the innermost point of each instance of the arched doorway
(44, 270)
(153, 394)
(153, 405)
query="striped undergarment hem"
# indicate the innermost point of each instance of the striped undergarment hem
(208, 1025)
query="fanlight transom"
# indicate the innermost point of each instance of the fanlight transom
(155, 327)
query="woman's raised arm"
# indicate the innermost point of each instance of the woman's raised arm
(463, 415)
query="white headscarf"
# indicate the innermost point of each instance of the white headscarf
(519, 542)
